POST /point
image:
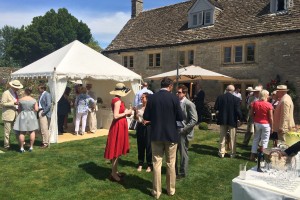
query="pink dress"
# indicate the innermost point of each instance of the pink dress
(117, 143)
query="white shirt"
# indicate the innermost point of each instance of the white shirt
(238, 95)
(40, 106)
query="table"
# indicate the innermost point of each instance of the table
(261, 186)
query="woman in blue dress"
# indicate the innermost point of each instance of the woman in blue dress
(26, 121)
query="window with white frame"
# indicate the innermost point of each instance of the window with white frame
(202, 18)
(280, 5)
(154, 59)
(186, 58)
(128, 61)
(243, 53)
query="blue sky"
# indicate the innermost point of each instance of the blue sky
(105, 18)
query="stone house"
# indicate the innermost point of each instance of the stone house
(251, 40)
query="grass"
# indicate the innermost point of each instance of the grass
(77, 170)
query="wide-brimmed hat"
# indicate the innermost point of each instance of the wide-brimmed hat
(249, 89)
(16, 84)
(282, 88)
(120, 90)
(257, 89)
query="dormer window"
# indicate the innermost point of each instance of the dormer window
(201, 14)
(202, 18)
(280, 5)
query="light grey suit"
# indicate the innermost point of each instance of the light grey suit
(190, 119)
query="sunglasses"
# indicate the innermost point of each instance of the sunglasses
(178, 92)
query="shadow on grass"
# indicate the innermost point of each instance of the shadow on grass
(130, 181)
(204, 149)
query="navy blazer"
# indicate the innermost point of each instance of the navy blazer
(229, 111)
(163, 110)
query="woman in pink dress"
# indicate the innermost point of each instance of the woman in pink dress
(117, 141)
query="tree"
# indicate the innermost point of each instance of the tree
(6, 36)
(94, 45)
(46, 34)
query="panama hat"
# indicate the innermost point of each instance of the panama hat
(282, 88)
(249, 89)
(120, 90)
(16, 84)
(257, 89)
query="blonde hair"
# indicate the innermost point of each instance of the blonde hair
(263, 95)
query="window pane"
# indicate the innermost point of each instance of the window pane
(227, 54)
(131, 61)
(181, 58)
(238, 54)
(195, 20)
(125, 61)
(250, 53)
(280, 5)
(191, 57)
(157, 60)
(207, 17)
(150, 60)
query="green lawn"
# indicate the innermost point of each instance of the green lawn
(77, 170)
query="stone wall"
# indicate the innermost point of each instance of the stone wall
(274, 55)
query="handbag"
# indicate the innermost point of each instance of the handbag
(133, 125)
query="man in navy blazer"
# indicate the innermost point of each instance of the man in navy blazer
(229, 114)
(44, 114)
(163, 110)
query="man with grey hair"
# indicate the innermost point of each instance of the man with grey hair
(229, 113)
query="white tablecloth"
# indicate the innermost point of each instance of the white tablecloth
(261, 186)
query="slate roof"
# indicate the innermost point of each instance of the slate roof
(167, 26)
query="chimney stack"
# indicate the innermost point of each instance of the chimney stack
(137, 8)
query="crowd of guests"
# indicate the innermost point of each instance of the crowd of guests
(269, 117)
(165, 123)
(26, 115)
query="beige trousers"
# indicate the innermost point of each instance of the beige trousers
(159, 149)
(7, 128)
(44, 126)
(223, 133)
(92, 121)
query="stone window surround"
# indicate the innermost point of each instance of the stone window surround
(128, 58)
(244, 54)
(154, 53)
(186, 52)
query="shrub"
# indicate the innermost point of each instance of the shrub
(203, 126)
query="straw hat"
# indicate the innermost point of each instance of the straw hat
(257, 89)
(282, 88)
(249, 89)
(16, 84)
(120, 90)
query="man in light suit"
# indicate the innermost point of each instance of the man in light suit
(190, 119)
(229, 115)
(163, 110)
(44, 114)
(10, 102)
(284, 113)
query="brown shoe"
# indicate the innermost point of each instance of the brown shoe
(44, 146)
